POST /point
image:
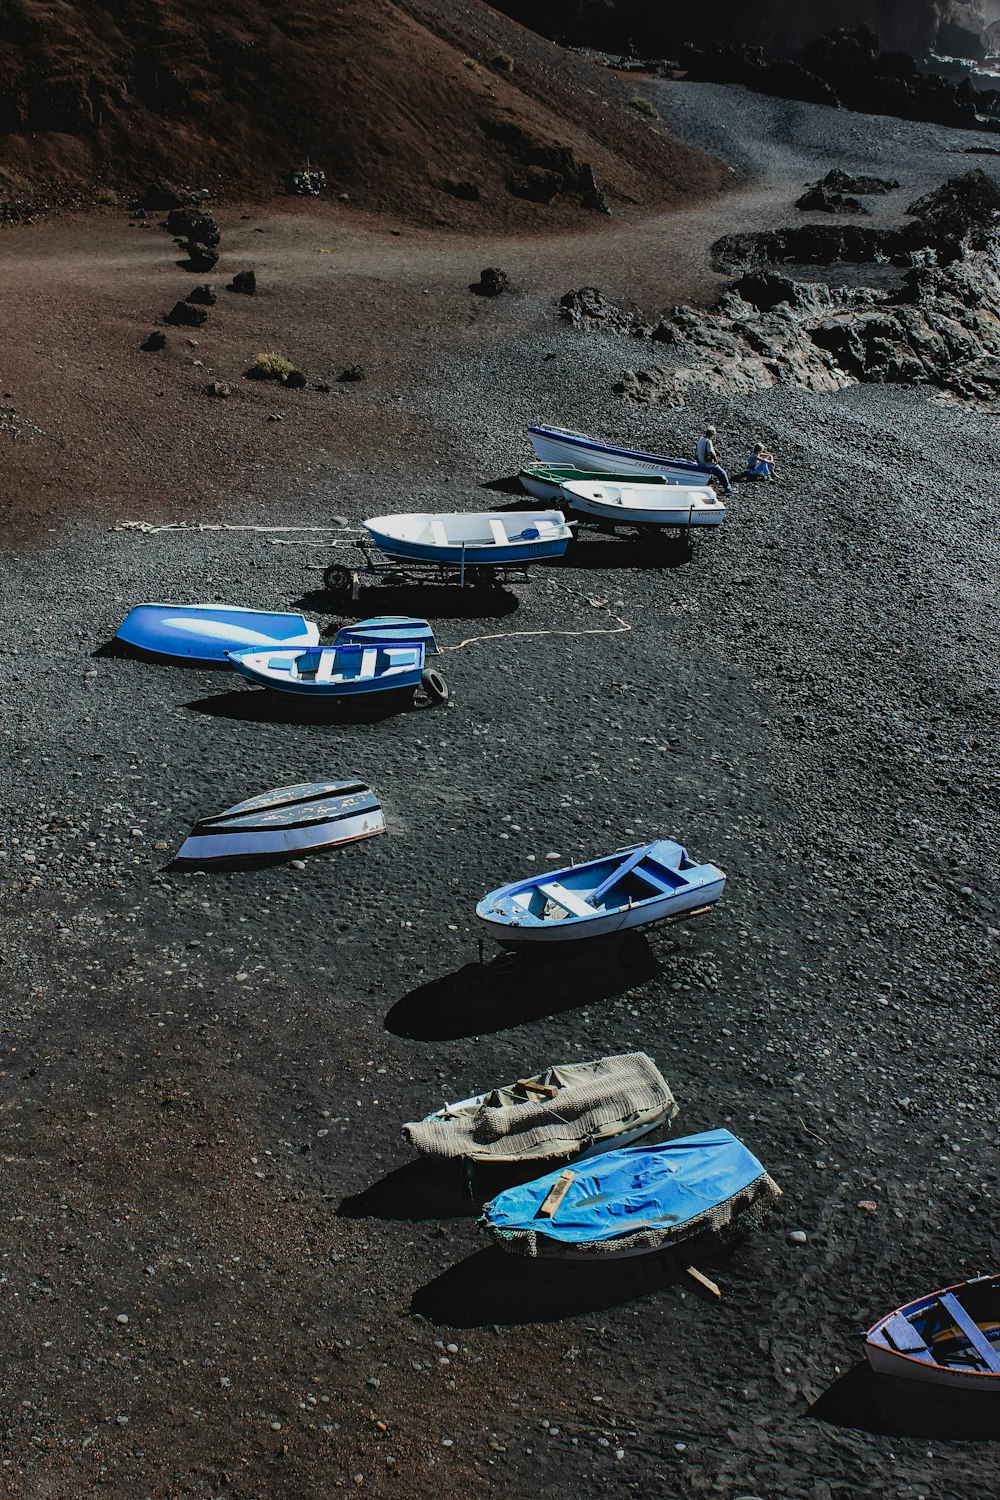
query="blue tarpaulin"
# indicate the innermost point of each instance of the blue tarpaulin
(643, 1187)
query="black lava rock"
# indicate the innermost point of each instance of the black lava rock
(200, 257)
(184, 315)
(194, 224)
(245, 282)
(492, 281)
(351, 373)
(295, 380)
(156, 340)
(203, 293)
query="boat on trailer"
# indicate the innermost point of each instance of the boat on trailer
(333, 671)
(628, 504)
(566, 1113)
(203, 633)
(473, 539)
(288, 821)
(948, 1338)
(388, 630)
(633, 888)
(559, 445)
(545, 481)
(636, 1201)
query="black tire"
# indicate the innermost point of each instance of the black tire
(434, 685)
(338, 579)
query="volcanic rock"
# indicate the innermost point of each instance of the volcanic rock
(492, 281)
(199, 257)
(204, 293)
(468, 191)
(156, 340)
(350, 374)
(184, 315)
(536, 184)
(294, 380)
(589, 308)
(244, 282)
(220, 389)
(193, 224)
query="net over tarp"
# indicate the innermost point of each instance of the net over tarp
(556, 1114)
(644, 1197)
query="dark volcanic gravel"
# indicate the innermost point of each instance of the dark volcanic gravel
(223, 1273)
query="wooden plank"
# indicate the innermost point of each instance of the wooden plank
(975, 1335)
(903, 1336)
(556, 1194)
(547, 1090)
(573, 903)
(627, 864)
(703, 1280)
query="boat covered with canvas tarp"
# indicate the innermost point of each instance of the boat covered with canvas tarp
(569, 1111)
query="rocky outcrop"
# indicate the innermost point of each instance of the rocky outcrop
(940, 325)
(835, 193)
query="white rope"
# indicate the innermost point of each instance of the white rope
(621, 626)
(149, 529)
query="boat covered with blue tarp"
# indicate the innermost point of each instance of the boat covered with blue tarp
(635, 1201)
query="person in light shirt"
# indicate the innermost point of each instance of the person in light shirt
(709, 459)
(760, 464)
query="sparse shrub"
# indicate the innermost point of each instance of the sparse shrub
(270, 367)
(644, 107)
(503, 62)
(470, 62)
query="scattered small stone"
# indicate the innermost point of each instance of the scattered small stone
(219, 388)
(298, 864)
(868, 1206)
(244, 282)
(351, 373)
(797, 1237)
(122, 1318)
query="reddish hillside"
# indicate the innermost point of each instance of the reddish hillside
(392, 98)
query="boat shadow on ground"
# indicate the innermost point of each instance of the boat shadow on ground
(611, 550)
(124, 651)
(423, 600)
(421, 1189)
(890, 1407)
(262, 707)
(492, 1287)
(481, 998)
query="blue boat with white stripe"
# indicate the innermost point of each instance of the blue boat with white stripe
(559, 445)
(633, 888)
(333, 671)
(388, 630)
(473, 539)
(205, 633)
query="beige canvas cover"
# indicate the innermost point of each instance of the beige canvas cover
(568, 1109)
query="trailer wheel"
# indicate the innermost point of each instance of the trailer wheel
(434, 685)
(338, 579)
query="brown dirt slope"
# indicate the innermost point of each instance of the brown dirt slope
(390, 97)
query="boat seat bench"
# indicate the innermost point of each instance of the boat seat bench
(562, 897)
(972, 1331)
(904, 1337)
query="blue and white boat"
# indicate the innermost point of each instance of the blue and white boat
(288, 821)
(332, 671)
(473, 539)
(635, 1201)
(623, 504)
(948, 1338)
(204, 633)
(558, 445)
(632, 888)
(388, 630)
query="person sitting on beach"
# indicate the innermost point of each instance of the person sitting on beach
(709, 459)
(760, 464)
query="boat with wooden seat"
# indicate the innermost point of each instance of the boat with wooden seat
(333, 671)
(948, 1338)
(545, 481)
(633, 888)
(473, 539)
(624, 503)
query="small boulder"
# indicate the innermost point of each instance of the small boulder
(195, 225)
(184, 315)
(492, 281)
(200, 257)
(156, 340)
(161, 195)
(469, 191)
(245, 282)
(592, 196)
(352, 372)
(219, 388)
(204, 293)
